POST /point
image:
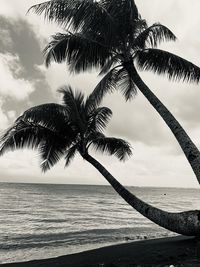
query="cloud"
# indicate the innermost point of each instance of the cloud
(15, 8)
(6, 40)
(23, 42)
(10, 83)
(4, 120)
(58, 75)
(22, 79)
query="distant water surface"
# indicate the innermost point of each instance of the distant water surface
(41, 221)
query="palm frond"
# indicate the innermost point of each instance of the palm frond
(122, 8)
(124, 13)
(21, 135)
(70, 154)
(46, 128)
(152, 36)
(162, 62)
(98, 119)
(26, 134)
(81, 52)
(51, 151)
(126, 85)
(135, 15)
(74, 102)
(138, 27)
(51, 115)
(113, 146)
(71, 98)
(64, 11)
(75, 14)
(93, 135)
(110, 63)
(106, 85)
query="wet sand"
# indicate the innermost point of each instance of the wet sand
(176, 251)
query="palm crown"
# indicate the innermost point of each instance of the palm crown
(111, 35)
(63, 130)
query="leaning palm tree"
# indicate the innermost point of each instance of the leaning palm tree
(110, 35)
(74, 127)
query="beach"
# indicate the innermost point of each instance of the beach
(175, 251)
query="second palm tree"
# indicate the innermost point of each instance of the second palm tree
(74, 127)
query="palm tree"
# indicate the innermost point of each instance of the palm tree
(110, 35)
(74, 127)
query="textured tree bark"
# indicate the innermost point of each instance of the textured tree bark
(190, 150)
(185, 223)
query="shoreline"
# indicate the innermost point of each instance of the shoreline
(177, 251)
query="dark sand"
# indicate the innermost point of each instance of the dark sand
(176, 251)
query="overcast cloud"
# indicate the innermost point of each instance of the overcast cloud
(157, 159)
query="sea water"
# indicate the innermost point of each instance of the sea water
(42, 221)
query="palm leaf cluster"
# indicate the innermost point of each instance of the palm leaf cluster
(112, 36)
(63, 130)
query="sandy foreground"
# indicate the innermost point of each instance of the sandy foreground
(173, 251)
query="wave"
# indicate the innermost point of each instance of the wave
(103, 235)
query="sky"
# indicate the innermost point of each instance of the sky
(157, 159)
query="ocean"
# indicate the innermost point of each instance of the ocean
(42, 221)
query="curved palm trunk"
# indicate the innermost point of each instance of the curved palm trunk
(190, 150)
(186, 223)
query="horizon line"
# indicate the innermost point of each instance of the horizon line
(70, 184)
